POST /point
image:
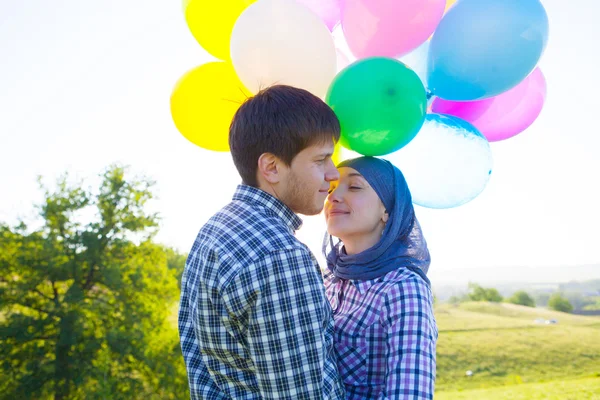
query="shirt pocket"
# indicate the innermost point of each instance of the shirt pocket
(352, 359)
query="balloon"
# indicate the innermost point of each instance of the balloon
(344, 55)
(341, 153)
(417, 61)
(505, 115)
(283, 42)
(211, 23)
(380, 103)
(389, 28)
(449, 3)
(448, 164)
(203, 104)
(342, 60)
(482, 48)
(327, 10)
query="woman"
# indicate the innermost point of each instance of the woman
(376, 283)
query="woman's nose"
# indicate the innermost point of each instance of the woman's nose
(334, 196)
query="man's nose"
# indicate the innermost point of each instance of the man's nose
(331, 174)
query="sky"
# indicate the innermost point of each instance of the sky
(84, 84)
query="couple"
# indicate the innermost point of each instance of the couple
(258, 320)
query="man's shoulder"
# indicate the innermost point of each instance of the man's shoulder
(245, 232)
(241, 243)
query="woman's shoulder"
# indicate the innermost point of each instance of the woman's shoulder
(405, 283)
(404, 276)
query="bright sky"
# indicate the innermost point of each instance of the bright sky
(87, 83)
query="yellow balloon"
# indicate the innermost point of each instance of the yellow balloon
(211, 22)
(449, 3)
(340, 153)
(203, 103)
(336, 156)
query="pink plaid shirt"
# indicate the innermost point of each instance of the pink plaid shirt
(385, 335)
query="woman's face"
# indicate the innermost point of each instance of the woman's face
(353, 211)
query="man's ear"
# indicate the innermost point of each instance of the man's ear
(269, 168)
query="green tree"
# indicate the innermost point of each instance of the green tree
(176, 263)
(559, 303)
(522, 298)
(478, 293)
(85, 298)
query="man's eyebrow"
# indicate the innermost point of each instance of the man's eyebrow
(328, 154)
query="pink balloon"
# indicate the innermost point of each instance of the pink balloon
(328, 10)
(503, 116)
(389, 28)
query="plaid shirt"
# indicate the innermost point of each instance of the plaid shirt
(385, 335)
(254, 320)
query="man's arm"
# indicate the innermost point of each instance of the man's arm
(286, 329)
(200, 382)
(411, 341)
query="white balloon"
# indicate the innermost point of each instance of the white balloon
(447, 164)
(417, 61)
(342, 60)
(283, 42)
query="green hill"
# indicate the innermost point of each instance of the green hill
(511, 356)
(579, 389)
(503, 345)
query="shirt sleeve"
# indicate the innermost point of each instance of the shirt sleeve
(411, 341)
(200, 382)
(286, 330)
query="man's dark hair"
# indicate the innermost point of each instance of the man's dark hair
(281, 120)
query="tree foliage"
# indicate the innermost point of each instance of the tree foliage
(522, 298)
(478, 293)
(85, 298)
(560, 303)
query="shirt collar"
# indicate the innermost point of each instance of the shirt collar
(364, 286)
(259, 197)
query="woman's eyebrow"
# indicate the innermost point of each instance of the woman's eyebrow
(355, 175)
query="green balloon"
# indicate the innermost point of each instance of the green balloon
(381, 105)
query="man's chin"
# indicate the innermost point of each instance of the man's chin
(312, 212)
(315, 210)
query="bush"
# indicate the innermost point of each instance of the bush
(522, 298)
(559, 303)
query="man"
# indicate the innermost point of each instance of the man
(254, 321)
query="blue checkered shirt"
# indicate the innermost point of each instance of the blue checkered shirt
(386, 335)
(254, 320)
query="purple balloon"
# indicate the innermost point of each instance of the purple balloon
(327, 10)
(503, 116)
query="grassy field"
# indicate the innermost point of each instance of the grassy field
(579, 389)
(513, 357)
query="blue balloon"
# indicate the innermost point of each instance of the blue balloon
(448, 163)
(482, 48)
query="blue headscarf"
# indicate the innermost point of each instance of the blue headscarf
(402, 244)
